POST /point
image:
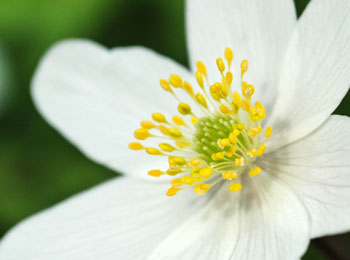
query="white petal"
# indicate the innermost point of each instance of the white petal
(122, 219)
(318, 169)
(255, 30)
(264, 221)
(316, 72)
(96, 98)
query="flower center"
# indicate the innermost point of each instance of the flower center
(220, 146)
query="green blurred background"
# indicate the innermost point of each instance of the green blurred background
(38, 167)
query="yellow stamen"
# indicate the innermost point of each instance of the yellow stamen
(188, 88)
(172, 191)
(135, 146)
(239, 161)
(201, 67)
(178, 121)
(158, 117)
(261, 150)
(230, 175)
(228, 55)
(244, 67)
(220, 64)
(202, 188)
(199, 78)
(141, 134)
(155, 173)
(255, 171)
(206, 172)
(153, 151)
(234, 187)
(268, 131)
(175, 80)
(166, 147)
(165, 85)
(184, 109)
(201, 100)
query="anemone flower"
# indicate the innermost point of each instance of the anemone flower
(244, 160)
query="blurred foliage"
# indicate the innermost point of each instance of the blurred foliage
(38, 167)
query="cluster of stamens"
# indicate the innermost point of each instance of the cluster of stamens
(220, 146)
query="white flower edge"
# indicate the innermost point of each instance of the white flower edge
(97, 97)
(317, 169)
(130, 219)
(315, 74)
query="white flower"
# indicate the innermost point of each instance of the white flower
(96, 98)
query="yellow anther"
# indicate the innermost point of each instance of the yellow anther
(163, 129)
(221, 65)
(268, 131)
(206, 172)
(187, 180)
(165, 85)
(135, 146)
(215, 88)
(174, 132)
(228, 154)
(201, 67)
(188, 88)
(166, 147)
(201, 100)
(155, 173)
(253, 132)
(178, 120)
(236, 132)
(153, 151)
(202, 188)
(257, 112)
(147, 124)
(195, 172)
(199, 78)
(175, 80)
(176, 182)
(184, 109)
(172, 162)
(255, 171)
(224, 109)
(194, 120)
(258, 127)
(245, 105)
(233, 138)
(232, 149)
(239, 161)
(179, 160)
(182, 144)
(260, 151)
(173, 172)
(229, 78)
(224, 142)
(247, 90)
(172, 191)
(141, 134)
(220, 155)
(195, 162)
(229, 175)
(244, 67)
(239, 126)
(228, 55)
(252, 153)
(234, 187)
(158, 117)
(237, 101)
